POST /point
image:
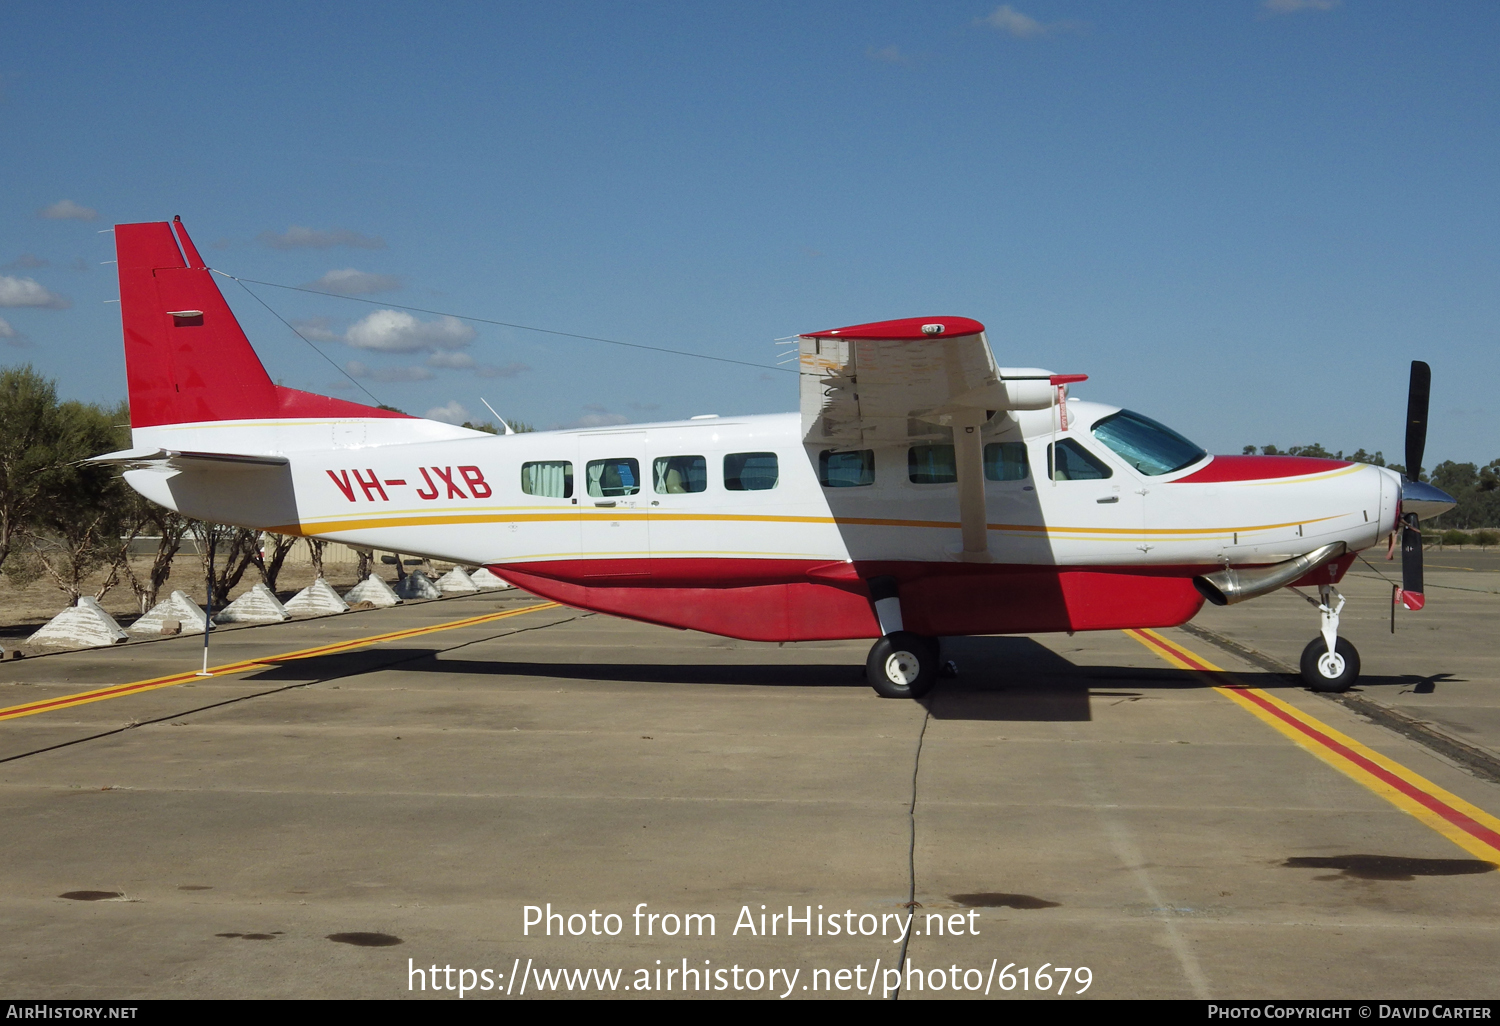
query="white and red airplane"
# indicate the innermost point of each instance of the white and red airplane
(922, 492)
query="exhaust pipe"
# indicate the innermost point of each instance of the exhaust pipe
(1229, 585)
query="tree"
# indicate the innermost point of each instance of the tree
(234, 550)
(170, 528)
(28, 459)
(520, 427)
(84, 523)
(272, 554)
(1455, 478)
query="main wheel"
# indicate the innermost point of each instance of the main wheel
(902, 665)
(1323, 671)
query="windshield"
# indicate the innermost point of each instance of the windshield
(1147, 446)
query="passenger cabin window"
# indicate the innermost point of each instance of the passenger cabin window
(1149, 447)
(1006, 461)
(614, 477)
(678, 475)
(931, 464)
(846, 469)
(1072, 462)
(751, 471)
(552, 479)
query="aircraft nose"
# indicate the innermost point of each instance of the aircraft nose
(1425, 500)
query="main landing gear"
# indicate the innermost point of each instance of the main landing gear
(902, 665)
(1329, 663)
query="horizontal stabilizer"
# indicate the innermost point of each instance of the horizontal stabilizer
(140, 459)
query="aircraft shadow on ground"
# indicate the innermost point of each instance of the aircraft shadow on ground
(1000, 678)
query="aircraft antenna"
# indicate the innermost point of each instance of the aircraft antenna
(303, 337)
(508, 429)
(502, 324)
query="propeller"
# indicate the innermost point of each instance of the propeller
(1412, 596)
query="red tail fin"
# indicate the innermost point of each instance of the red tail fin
(186, 357)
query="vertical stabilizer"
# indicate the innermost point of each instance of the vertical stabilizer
(186, 357)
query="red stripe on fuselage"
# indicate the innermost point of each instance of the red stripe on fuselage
(1260, 468)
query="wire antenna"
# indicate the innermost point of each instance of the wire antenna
(303, 337)
(502, 324)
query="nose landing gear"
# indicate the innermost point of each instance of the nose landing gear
(1329, 663)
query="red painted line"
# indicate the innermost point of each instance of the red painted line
(1443, 809)
(35, 707)
(1436, 805)
(1186, 657)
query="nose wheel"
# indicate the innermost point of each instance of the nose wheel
(902, 665)
(1329, 662)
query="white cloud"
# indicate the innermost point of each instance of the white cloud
(349, 282)
(388, 374)
(463, 361)
(452, 412)
(1007, 19)
(67, 210)
(452, 361)
(597, 416)
(13, 337)
(395, 331)
(509, 370)
(317, 329)
(1293, 6)
(888, 55)
(26, 261)
(298, 237)
(29, 292)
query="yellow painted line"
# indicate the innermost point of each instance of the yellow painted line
(135, 688)
(1468, 826)
(450, 519)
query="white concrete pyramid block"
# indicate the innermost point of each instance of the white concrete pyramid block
(176, 606)
(418, 586)
(374, 591)
(258, 605)
(456, 582)
(487, 581)
(85, 625)
(317, 599)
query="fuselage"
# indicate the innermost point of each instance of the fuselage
(737, 526)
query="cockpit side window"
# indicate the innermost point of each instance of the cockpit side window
(1072, 462)
(1148, 447)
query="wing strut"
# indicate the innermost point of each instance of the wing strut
(968, 453)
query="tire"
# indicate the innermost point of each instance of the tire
(902, 665)
(1323, 674)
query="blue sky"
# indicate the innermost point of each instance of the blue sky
(1243, 218)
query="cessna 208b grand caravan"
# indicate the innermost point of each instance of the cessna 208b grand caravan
(922, 491)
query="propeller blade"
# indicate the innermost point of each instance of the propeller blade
(1416, 418)
(1412, 596)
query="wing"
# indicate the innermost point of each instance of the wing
(920, 379)
(897, 382)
